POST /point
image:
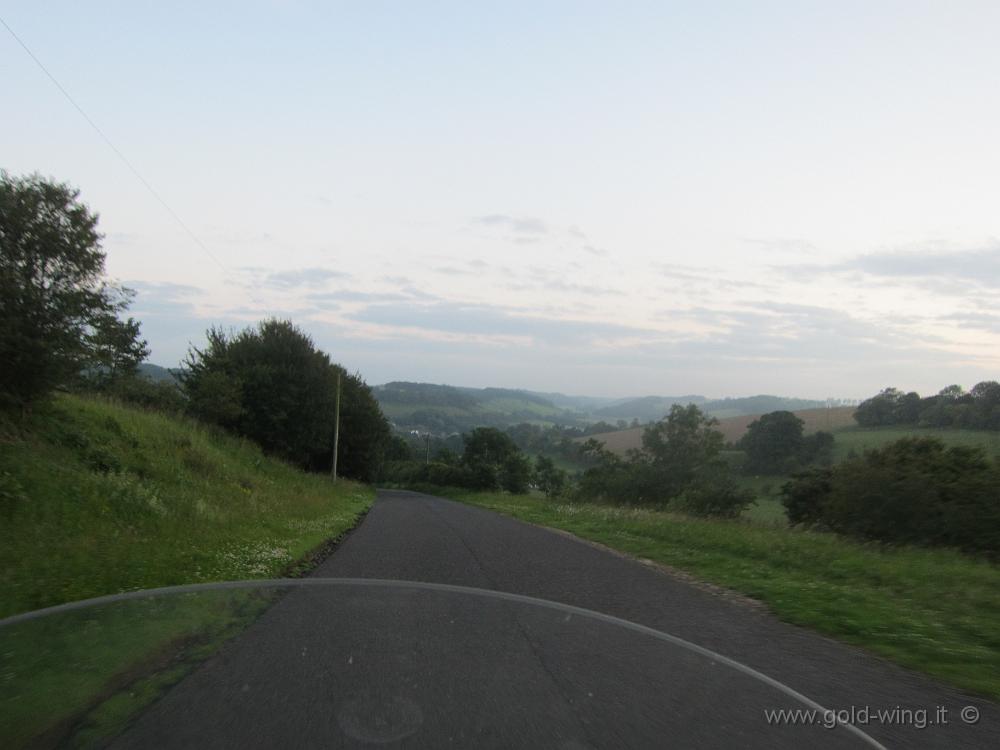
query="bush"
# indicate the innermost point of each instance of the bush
(713, 496)
(437, 473)
(804, 495)
(515, 474)
(12, 495)
(548, 478)
(160, 395)
(912, 491)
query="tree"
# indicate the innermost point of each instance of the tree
(773, 443)
(495, 461)
(548, 477)
(879, 410)
(817, 448)
(951, 392)
(675, 450)
(117, 349)
(912, 491)
(986, 401)
(269, 383)
(59, 315)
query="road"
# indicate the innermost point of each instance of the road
(365, 666)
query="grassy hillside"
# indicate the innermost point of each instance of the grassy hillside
(443, 409)
(99, 498)
(931, 610)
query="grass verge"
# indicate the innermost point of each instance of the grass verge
(98, 498)
(935, 611)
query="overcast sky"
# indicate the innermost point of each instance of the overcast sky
(595, 198)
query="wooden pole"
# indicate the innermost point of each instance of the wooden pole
(336, 431)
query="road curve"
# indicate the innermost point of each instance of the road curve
(360, 667)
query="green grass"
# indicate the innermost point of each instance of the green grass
(108, 498)
(98, 498)
(859, 439)
(935, 611)
(77, 678)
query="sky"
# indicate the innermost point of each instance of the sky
(611, 199)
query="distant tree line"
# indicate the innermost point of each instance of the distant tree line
(978, 409)
(490, 460)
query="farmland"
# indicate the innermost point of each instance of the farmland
(733, 428)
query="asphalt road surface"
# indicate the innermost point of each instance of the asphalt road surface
(366, 666)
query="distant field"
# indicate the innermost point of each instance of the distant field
(859, 439)
(733, 428)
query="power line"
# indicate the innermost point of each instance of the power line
(118, 153)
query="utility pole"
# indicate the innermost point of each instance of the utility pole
(336, 430)
(427, 455)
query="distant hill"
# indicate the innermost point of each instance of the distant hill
(157, 373)
(443, 409)
(751, 405)
(645, 409)
(733, 428)
(582, 404)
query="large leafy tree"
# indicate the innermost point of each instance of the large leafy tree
(59, 315)
(679, 466)
(270, 383)
(677, 449)
(495, 461)
(773, 442)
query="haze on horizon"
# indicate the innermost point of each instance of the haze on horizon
(670, 198)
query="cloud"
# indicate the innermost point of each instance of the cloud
(454, 271)
(329, 300)
(163, 298)
(698, 279)
(476, 320)
(981, 321)
(292, 278)
(947, 272)
(522, 225)
(782, 244)
(980, 266)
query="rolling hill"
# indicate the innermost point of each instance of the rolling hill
(445, 409)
